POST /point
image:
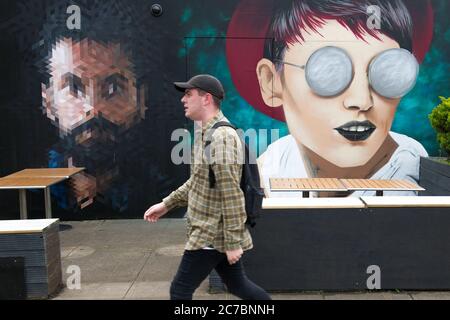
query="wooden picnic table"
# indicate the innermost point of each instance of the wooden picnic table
(46, 172)
(41, 178)
(305, 185)
(379, 186)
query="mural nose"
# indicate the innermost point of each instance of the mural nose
(359, 94)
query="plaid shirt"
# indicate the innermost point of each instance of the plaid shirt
(215, 216)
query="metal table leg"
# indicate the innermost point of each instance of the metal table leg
(48, 203)
(23, 204)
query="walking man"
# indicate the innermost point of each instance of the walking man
(217, 235)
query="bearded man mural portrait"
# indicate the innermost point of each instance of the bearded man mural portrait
(95, 91)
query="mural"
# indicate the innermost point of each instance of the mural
(337, 81)
(327, 88)
(103, 92)
(307, 148)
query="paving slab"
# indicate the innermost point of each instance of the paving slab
(367, 296)
(159, 268)
(131, 228)
(296, 296)
(159, 290)
(431, 295)
(156, 290)
(96, 291)
(108, 265)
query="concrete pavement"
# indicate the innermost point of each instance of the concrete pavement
(132, 259)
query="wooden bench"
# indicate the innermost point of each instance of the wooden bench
(305, 185)
(379, 186)
(37, 241)
(39, 178)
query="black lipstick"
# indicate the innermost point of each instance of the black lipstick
(357, 130)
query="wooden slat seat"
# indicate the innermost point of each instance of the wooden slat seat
(380, 185)
(306, 184)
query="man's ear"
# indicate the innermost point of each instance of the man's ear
(208, 98)
(269, 83)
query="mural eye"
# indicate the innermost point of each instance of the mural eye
(113, 86)
(112, 89)
(77, 89)
(329, 71)
(393, 73)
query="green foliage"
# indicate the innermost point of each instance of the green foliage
(440, 121)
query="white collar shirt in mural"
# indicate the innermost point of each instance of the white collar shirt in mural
(282, 159)
(215, 216)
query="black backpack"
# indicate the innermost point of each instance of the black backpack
(250, 182)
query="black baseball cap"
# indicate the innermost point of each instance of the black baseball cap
(203, 82)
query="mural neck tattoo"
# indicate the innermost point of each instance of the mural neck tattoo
(319, 167)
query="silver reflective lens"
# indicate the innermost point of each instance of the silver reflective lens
(393, 73)
(329, 71)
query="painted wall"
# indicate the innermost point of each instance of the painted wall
(101, 96)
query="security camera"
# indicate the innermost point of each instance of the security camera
(157, 10)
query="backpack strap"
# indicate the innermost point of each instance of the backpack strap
(214, 127)
(212, 177)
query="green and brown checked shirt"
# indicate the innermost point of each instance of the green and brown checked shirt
(215, 216)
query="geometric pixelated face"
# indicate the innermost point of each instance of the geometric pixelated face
(90, 79)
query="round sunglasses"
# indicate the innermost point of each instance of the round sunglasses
(329, 71)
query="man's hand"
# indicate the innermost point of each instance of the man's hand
(155, 212)
(233, 256)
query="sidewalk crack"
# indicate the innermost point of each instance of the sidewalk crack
(152, 253)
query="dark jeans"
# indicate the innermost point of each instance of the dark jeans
(196, 265)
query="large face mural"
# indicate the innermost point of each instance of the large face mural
(88, 80)
(337, 82)
(91, 81)
(328, 88)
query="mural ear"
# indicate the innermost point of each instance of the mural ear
(142, 94)
(269, 83)
(46, 94)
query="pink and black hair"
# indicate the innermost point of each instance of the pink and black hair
(292, 18)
